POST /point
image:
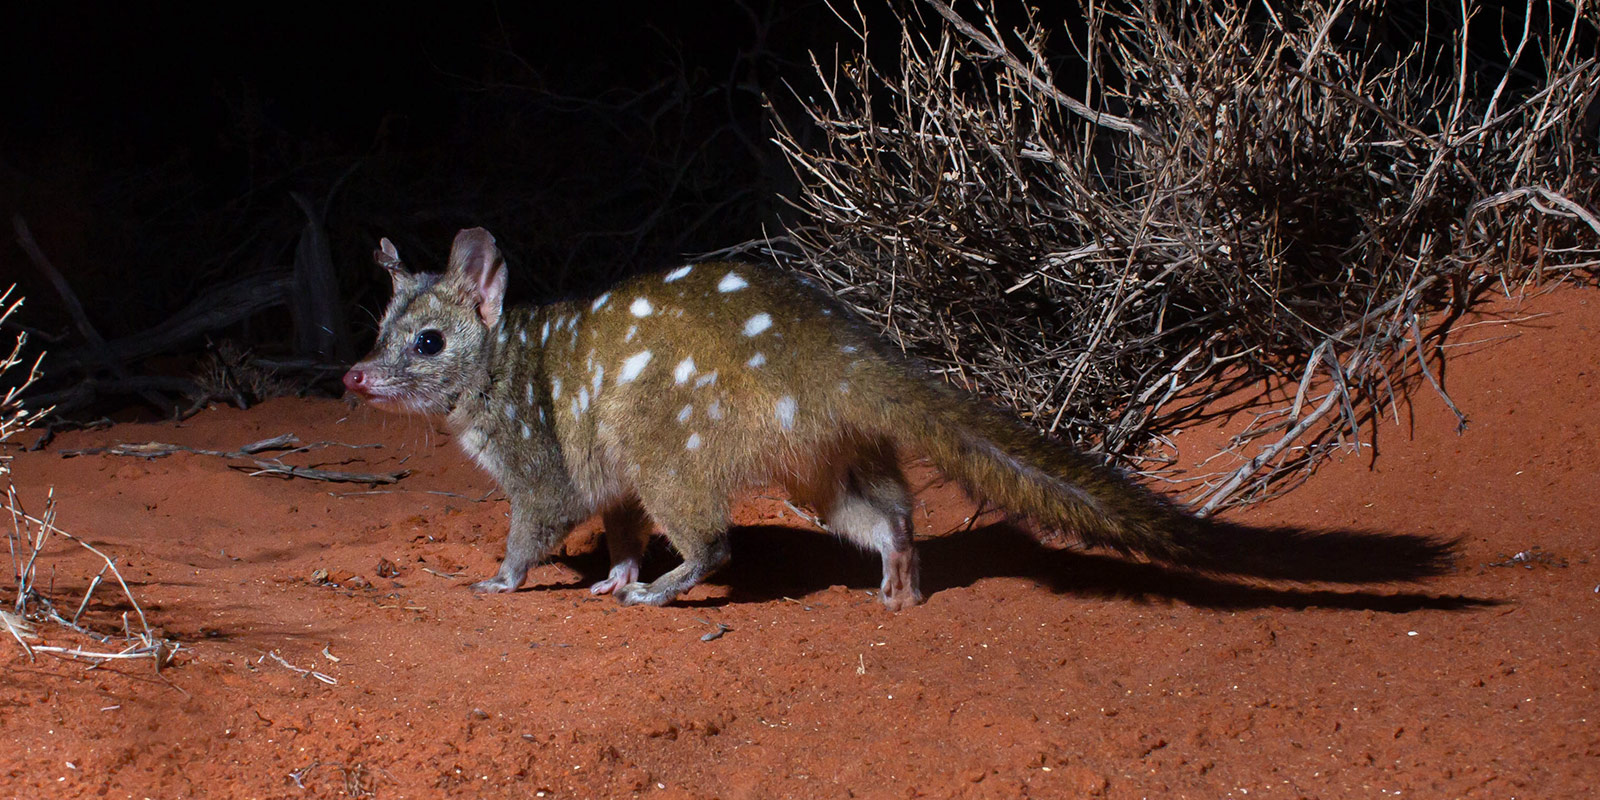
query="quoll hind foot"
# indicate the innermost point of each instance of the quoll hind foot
(899, 599)
(622, 574)
(899, 590)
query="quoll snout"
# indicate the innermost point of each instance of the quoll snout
(355, 381)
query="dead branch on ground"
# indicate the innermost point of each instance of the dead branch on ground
(288, 442)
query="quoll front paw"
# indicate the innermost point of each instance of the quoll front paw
(496, 585)
(639, 594)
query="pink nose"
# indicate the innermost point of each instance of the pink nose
(356, 381)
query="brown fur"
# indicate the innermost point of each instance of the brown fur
(673, 391)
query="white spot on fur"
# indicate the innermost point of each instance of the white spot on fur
(756, 360)
(731, 282)
(641, 307)
(528, 395)
(522, 335)
(693, 443)
(633, 366)
(676, 274)
(600, 302)
(684, 371)
(502, 337)
(683, 414)
(844, 387)
(599, 377)
(706, 379)
(583, 399)
(632, 331)
(714, 411)
(541, 415)
(849, 348)
(511, 411)
(544, 333)
(784, 410)
(555, 388)
(757, 324)
(527, 432)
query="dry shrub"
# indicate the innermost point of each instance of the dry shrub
(28, 536)
(1110, 223)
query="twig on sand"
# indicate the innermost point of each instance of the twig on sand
(798, 511)
(310, 673)
(356, 783)
(722, 628)
(440, 492)
(288, 442)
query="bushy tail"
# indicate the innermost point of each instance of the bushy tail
(998, 459)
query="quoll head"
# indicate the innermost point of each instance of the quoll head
(434, 339)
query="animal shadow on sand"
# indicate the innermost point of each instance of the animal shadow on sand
(772, 562)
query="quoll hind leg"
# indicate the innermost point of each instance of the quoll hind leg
(627, 530)
(697, 530)
(877, 528)
(873, 509)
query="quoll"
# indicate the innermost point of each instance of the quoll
(666, 395)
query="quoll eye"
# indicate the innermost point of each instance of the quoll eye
(429, 342)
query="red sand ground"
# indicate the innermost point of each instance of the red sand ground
(1029, 673)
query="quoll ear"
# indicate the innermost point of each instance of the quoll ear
(477, 267)
(388, 257)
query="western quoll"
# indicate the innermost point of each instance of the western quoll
(666, 395)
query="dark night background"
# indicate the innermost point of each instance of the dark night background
(157, 151)
(153, 149)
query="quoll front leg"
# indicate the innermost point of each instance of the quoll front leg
(696, 523)
(535, 531)
(702, 553)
